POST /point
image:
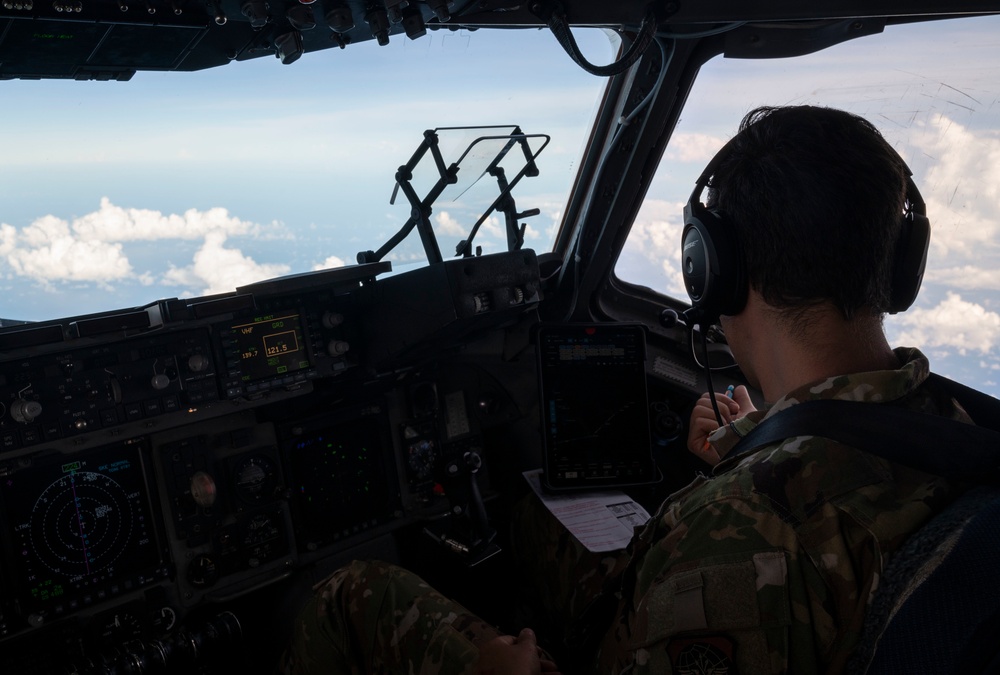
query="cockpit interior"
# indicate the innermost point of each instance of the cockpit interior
(175, 475)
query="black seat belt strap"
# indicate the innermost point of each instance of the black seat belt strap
(982, 408)
(930, 443)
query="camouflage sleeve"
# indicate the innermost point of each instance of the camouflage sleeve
(730, 576)
(372, 617)
(725, 587)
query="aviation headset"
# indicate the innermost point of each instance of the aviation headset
(714, 268)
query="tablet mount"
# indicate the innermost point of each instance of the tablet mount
(490, 152)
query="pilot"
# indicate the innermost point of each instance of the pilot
(767, 565)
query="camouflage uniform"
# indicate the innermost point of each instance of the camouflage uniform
(769, 565)
(765, 567)
(372, 617)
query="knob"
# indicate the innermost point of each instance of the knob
(160, 381)
(338, 347)
(197, 363)
(332, 319)
(25, 412)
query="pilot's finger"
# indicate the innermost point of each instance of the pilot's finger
(526, 636)
(728, 408)
(702, 426)
(698, 434)
(742, 397)
(704, 422)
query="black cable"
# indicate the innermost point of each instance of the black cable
(708, 373)
(559, 26)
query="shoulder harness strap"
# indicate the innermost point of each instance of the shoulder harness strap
(936, 445)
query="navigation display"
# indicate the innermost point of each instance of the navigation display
(269, 346)
(80, 530)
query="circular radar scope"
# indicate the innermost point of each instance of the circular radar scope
(81, 523)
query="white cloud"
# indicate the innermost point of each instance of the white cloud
(492, 227)
(955, 323)
(961, 186)
(448, 225)
(115, 223)
(329, 263)
(8, 238)
(91, 248)
(689, 147)
(221, 270)
(656, 237)
(51, 252)
(965, 277)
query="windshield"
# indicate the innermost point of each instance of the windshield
(116, 194)
(932, 90)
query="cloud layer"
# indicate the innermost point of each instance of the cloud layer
(92, 249)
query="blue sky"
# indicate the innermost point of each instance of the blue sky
(179, 184)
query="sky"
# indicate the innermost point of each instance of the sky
(182, 184)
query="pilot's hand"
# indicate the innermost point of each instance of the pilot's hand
(509, 655)
(703, 421)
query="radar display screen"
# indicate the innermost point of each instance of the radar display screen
(80, 529)
(594, 405)
(269, 346)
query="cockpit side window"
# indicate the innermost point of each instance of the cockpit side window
(931, 89)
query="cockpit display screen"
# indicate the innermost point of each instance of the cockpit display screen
(269, 346)
(593, 391)
(80, 530)
(341, 477)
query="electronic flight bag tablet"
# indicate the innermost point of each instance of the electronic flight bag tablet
(594, 408)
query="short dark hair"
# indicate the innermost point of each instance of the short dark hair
(816, 196)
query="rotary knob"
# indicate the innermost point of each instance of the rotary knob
(25, 412)
(332, 319)
(338, 347)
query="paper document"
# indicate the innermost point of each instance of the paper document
(602, 521)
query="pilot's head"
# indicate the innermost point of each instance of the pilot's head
(813, 200)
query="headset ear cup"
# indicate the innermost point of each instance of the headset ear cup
(910, 261)
(710, 262)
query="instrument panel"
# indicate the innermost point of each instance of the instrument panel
(160, 462)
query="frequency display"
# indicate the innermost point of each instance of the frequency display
(269, 346)
(80, 529)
